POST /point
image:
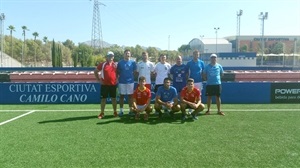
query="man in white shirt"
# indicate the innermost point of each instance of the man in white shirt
(162, 70)
(145, 68)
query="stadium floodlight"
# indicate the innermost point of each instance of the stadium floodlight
(238, 18)
(216, 31)
(262, 16)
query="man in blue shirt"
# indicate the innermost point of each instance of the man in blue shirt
(213, 73)
(166, 99)
(179, 74)
(126, 69)
(195, 68)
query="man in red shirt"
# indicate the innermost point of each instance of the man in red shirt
(105, 74)
(141, 100)
(190, 98)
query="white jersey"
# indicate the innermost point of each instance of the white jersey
(145, 69)
(162, 71)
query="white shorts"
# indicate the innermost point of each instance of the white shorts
(198, 85)
(139, 107)
(126, 89)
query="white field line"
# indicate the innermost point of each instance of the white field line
(110, 110)
(7, 121)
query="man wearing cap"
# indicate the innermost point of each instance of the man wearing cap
(213, 72)
(106, 75)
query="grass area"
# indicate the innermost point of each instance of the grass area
(248, 136)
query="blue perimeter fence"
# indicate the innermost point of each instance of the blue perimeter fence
(89, 93)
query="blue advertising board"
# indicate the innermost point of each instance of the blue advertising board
(89, 93)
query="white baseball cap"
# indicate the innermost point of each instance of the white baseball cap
(213, 55)
(110, 53)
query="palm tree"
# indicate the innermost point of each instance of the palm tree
(45, 40)
(35, 34)
(11, 28)
(24, 28)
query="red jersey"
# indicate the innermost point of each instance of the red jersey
(142, 96)
(108, 73)
(193, 96)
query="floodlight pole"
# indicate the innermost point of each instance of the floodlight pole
(238, 14)
(262, 17)
(216, 31)
(2, 18)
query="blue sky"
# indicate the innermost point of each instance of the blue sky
(150, 23)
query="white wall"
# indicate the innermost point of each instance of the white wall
(237, 61)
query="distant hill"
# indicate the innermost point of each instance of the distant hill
(106, 45)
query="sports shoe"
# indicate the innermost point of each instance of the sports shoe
(146, 117)
(121, 114)
(207, 112)
(131, 113)
(115, 114)
(221, 113)
(194, 117)
(101, 115)
(137, 116)
(183, 118)
(172, 115)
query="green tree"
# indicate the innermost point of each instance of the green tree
(244, 48)
(184, 49)
(276, 48)
(24, 28)
(11, 29)
(35, 34)
(153, 54)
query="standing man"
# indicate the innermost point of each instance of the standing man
(190, 98)
(178, 74)
(196, 67)
(126, 69)
(162, 71)
(213, 73)
(166, 99)
(141, 100)
(108, 82)
(145, 68)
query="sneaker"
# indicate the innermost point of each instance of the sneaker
(131, 113)
(146, 117)
(221, 113)
(137, 116)
(189, 112)
(121, 114)
(160, 115)
(172, 115)
(101, 115)
(115, 114)
(194, 117)
(207, 112)
(183, 118)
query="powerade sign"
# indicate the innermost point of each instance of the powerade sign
(285, 93)
(45, 93)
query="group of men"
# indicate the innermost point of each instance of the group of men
(185, 92)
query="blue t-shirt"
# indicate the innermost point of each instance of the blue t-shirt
(213, 74)
(179, 73)
(166, 95)
(195, 69)
(125, 70)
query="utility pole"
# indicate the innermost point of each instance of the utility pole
(97, 39)
(262, 17)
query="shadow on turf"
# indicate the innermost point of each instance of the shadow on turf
(69, 119)
(153, 120)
